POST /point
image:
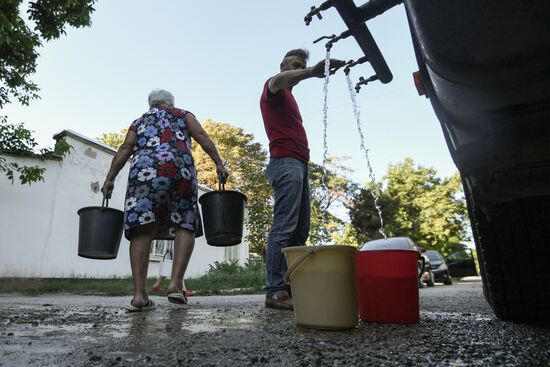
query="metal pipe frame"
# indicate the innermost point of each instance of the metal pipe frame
(355, 18)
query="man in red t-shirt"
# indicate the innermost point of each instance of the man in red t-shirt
(287, 171)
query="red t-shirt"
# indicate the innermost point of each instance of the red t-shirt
(283, 125)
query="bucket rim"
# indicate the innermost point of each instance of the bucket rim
(87, 208)
(319, 248)
(217, 192)
(93, 256)
(389, 250)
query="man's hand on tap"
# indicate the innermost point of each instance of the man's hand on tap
(318, 70)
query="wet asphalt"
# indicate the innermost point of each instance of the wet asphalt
(457, 328)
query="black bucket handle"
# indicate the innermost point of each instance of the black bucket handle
(221, 187)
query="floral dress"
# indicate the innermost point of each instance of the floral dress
(162, 184)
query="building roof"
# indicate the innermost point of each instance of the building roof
(84, 139)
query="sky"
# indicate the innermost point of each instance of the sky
(215, 56)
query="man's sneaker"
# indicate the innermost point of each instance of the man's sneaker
(279, 300)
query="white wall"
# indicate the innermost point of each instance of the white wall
(39, 223)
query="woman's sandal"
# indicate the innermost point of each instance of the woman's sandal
(188, 293)
(150, 305)
(158, 289)
(177, 298)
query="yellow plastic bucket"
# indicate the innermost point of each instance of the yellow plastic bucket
(322, 279)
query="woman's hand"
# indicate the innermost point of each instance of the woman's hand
(222, 173)
(108, 188)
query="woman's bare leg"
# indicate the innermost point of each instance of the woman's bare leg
(140, 247)
(184, 244)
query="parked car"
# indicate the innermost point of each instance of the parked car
(405, 243)
(462, 264)
(439, 267)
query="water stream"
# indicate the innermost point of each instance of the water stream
(366, 151)
(361, 137)
(325, 114)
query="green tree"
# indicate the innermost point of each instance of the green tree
(114, 140)
(16, 140)
(246, 162)
(19, 43)
(18, 50)
(330, 191)
(454, 244)
(415, 203)
(364, 215)
(346, 236)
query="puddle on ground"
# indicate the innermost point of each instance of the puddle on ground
(89, 323)
(198, 321)
(43, 332)
(200, 328)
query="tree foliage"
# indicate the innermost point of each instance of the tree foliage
(246, 162)
(16, 140)
(415, 203)
(114, 140)
(346, 235)
(19, 43)
(18, 50)
(330, 191)
(364, 215)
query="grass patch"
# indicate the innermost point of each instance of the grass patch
(230, 278)
(85, 286)
(222, 278)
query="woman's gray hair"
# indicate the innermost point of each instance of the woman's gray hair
(159, 97)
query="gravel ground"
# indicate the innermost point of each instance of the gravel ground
(456, 328)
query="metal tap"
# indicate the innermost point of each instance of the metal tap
(317, 11)
(324, 37)
(363, 81)
(335, 39)
(353, 63)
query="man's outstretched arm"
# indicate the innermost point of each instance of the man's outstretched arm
(289, 78)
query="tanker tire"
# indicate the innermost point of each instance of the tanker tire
(479, 253)
(514, 255)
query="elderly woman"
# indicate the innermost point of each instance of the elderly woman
(161, 197)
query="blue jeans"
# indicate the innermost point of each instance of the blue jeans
(291, 215)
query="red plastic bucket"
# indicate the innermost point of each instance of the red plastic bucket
(387, 286)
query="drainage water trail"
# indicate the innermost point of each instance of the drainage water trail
(325, 114)
(366, 151)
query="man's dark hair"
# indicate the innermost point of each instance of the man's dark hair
(300, 52)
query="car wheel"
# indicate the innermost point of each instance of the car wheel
(502, 229)
(430, 282)
(449, 281)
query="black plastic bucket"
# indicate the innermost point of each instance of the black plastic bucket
(100, 231)
(223, 217)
